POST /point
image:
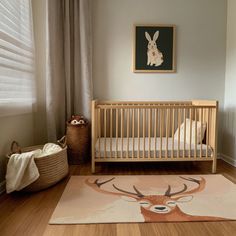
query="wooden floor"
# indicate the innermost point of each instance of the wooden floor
(28, 214)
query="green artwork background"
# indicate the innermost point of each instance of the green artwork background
(164, 44)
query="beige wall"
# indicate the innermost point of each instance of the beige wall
(201, 39)
(200, 49)
(229, 134)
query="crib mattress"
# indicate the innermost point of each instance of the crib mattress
(130, 146)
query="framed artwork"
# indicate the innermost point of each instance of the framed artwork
(154, 48)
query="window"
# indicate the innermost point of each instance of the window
(16, 57)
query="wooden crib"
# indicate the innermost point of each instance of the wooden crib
(133, 131)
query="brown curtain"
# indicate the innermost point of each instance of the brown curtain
(69, 63)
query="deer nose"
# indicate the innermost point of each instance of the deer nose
(160, 208)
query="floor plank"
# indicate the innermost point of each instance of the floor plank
(28, 213)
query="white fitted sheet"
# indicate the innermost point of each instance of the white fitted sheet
(114, 150)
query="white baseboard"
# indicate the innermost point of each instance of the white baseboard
(228, 159)
(2, 187)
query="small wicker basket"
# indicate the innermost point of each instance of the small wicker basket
(52, 168)
(78, 142)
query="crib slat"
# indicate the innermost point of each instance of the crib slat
(149, 133)
(201, 119)
(208, 131)
(144, 131)
(155, 134)
(111, 132)
(173, 133)
(138, 133)
(184, 154)
(127, 132)
(117, 120)
(160, 151)
(178, 155)
(105, 132)
(167, 131)
(133, 116)
(190, 138)
(99, 133)
(122, 131)
(195, 146)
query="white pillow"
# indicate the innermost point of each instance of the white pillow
(188, 123)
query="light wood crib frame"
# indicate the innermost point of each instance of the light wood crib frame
(135, 131)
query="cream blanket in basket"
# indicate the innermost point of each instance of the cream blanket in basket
(22, 170)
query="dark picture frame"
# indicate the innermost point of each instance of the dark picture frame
(154, 48)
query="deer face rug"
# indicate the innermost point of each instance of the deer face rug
(151, 198)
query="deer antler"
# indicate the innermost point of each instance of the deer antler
(169, 194)
(201, 185)
(96, 185)
(138, 194)
(104, 182)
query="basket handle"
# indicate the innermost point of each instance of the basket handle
(62, 141)
(15, 147)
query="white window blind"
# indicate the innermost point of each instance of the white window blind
(16, 57)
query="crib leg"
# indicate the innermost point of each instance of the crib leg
(214, 165)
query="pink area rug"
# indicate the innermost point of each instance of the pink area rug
(146, 198)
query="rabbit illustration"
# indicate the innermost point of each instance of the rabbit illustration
(154, 56)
